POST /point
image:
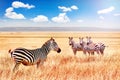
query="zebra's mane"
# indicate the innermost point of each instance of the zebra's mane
(47, 42)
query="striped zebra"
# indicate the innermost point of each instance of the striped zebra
(88, 48)
(100, 46)
(75, 46)
(36, 56)
(89, 41)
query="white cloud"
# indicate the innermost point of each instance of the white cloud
(40, 18)
(107, 10)
(117, 14)
(17, 4)
(10, 9)
(67, 9)
(13, 15)
(74, 7)
(61, 18)
(101, 17)
(80, 21)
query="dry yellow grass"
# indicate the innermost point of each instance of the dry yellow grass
(63, 66)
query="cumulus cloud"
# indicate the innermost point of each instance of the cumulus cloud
(107, 10)
(74, 7)
(13, 15)
(61, 18)
(17, 4)
(10, 9)
(67, 9)
(40, 18)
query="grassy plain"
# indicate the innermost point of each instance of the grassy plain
(63, 66)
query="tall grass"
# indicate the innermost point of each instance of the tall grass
(63, 66)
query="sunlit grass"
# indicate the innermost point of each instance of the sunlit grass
(63, 66)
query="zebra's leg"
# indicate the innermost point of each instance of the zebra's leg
(101, 51)
(89, 53)
(16, 66)
(74, 51)
(40, 63)
(98, 52)
(92, 53)
(84, 52)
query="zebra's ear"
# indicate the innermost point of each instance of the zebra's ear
(52, 39)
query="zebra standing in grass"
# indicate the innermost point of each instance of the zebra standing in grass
(75, 46)
(90, 49)
(35, 56)
(100, 46)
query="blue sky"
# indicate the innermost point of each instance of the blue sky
(60, 13)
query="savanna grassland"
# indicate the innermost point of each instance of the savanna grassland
(63, 66)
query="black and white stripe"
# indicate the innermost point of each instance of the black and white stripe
(89, 48)
(35, 56)
(100, 47)
(75, 46)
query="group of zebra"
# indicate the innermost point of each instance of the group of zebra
(87, 47)
(38, 56)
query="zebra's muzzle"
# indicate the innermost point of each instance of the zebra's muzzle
(87, 43)
(59, 50)
(81, 44)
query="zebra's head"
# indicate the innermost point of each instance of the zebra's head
(71, 41)
(54, 45)
(81, 41)
(89, 41)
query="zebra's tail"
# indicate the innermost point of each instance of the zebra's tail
(104, 45)
(10, 52)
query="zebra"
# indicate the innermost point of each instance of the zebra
(89, 41)
(88, 48)
(75, 46)
(33, 56)
(100, 46)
